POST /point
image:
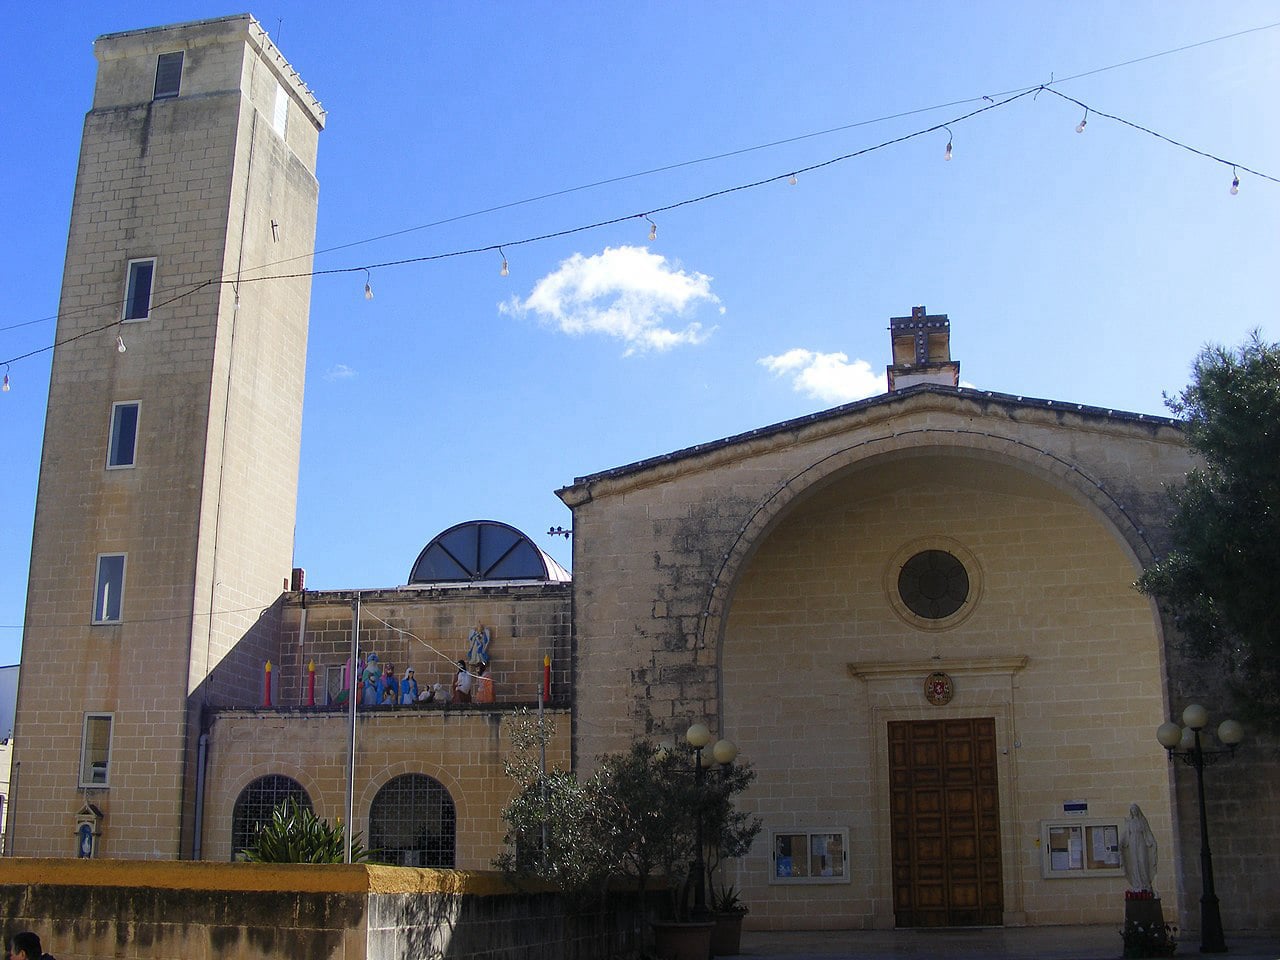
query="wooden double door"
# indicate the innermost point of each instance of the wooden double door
(945, 821)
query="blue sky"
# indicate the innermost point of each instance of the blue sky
(1084, 267)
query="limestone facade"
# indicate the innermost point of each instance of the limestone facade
(753, 583)
(205, 187)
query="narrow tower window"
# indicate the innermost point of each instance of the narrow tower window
(124, 435)
(109, 592)
(137, 289)
(280, 116)
(168, 75)
(95, 750)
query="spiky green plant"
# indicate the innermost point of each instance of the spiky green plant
(294, 834)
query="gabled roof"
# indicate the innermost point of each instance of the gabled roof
(885, 400)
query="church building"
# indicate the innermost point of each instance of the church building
(913, 614)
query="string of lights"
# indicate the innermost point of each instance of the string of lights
(173, 619)
(740, 151)
(452, 661)
(647, 215)
(706, 159)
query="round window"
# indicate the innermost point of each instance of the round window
(933, 584)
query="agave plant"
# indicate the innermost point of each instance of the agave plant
(294, 834)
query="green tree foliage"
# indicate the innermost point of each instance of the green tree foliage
(1219, 580)
(634, 817)
(294, 834)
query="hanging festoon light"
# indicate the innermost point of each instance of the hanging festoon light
(368, 286)
(1084, 121)
(5, 386)
(793, 180)
(1235, 181)
(504, 272)
(120, 347)
(653, 230)
(946, 155)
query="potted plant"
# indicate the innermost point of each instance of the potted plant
(636, 817)
(726, 935)
(729, 834)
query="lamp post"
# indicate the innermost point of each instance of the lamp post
(1185, 743)
(723, 753)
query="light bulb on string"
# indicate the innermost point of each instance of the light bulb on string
(120, 347)
(504, 272)
(794, 180)
(368, 286)
(946, 155)
(653, 230)
(1084, 121)
(5, 386)
(1235, 182)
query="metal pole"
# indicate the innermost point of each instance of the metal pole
(699, 868)
(1211, 937)
(542, 750)
(349, 811)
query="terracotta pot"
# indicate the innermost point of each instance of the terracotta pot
(682, 941)
(726, 936)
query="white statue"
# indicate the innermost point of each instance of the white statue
(1138, 851)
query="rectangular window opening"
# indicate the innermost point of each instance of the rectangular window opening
(137, 289)
(95, 750)
(810, 856)
(280, 116)
(333, 682)
(168, 76)
(108, 595)
(122, 446)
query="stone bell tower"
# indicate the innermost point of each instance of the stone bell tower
(168, 480)
(921, 351)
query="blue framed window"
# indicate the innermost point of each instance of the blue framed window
(137, 289)
(122, 447)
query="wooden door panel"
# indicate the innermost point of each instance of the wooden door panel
(945, 823)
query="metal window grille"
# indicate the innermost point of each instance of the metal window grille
(255, 804)
(412, 823)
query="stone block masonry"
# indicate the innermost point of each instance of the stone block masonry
(86, 910)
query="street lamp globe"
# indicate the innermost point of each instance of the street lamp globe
(1230, 732)
(1195, 716)
(1188, 740)
(724, 751)
(1169, 734)
(698, 736)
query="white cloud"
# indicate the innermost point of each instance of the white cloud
(828, 377)
(624, 292)
(339, 371)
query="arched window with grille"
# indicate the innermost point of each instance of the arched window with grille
(412, 823)
(254, 805)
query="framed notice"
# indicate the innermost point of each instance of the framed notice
(1080, 848)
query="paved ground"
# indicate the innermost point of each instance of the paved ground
(1001, 943)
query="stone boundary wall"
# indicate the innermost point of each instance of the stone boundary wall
(195, 910)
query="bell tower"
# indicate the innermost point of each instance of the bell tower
(921, 351)
(168, 479)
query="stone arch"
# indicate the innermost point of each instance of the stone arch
(255, 802)
(413, 822)
(1011, 452)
